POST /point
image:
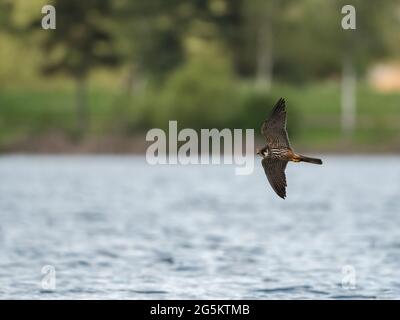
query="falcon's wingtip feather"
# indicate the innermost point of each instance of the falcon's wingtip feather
(280, 105)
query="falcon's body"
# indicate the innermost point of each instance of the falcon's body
(278, 152)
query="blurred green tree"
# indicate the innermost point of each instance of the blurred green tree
(153, 34)
(201, 93)
(264, 22)
(80, 43)
(6, 7)
(313, 45)
(150, 37)
(358, 48)
(6, 25)
(354, 49)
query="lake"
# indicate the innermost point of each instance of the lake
(115, 227)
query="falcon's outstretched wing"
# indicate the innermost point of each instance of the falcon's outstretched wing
(275, 171)
(274, 128)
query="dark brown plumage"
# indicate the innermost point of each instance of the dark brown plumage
(278, 152)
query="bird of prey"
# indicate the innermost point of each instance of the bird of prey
(278, 152)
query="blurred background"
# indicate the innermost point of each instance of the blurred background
(115, 68)
(112, 226)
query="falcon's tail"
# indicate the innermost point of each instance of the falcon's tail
(310, 160)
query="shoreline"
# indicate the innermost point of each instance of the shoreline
(136, 144)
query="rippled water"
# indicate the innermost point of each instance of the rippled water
(114, 227)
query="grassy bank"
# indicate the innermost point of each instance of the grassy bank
(35, 117)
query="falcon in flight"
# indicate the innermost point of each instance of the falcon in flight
(278, 152)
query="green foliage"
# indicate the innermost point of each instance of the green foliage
(5, 13)
(150, 34)
(84, 40)
(192, 61)
(313, 118)
(25, 113)
(202, 93)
